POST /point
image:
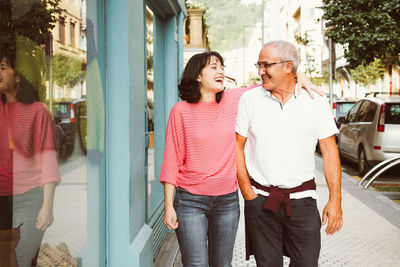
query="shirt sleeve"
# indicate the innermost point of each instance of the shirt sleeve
(49, 167)
(174, 153)
(45, 151)
(325, 122)
(242, 118)
(4, 139)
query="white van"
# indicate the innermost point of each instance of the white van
(370, 132)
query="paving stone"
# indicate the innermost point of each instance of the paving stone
(70, 212)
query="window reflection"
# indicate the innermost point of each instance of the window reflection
(43, 132)
(150, 108)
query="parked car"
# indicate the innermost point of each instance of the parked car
(334, 96)
(80, 109)
(370, 132)
(341, 107)
(68, 115)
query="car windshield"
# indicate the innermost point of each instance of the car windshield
(392, 113)
(61, 110)
(343, 108)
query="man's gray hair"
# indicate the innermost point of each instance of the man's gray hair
(286, 51)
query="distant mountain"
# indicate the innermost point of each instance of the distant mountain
(225, 20)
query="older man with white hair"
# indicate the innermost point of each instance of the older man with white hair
(277, 131)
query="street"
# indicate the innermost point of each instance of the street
(389, 180)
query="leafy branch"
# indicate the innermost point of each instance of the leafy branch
(67, 70)
(369, 29)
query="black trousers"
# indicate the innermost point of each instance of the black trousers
(6, 212)
(273, 235)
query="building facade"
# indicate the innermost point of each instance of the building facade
(195, 34)
(69, 41)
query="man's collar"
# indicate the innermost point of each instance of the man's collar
(268, 92)
(296, 91)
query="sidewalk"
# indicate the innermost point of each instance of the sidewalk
(70, 211)
(370, 235)
(70, 205)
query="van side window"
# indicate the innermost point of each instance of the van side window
(352, 116)
(367, 111)
(392, 113)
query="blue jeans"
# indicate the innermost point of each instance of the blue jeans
(26, 208)
(207, 228)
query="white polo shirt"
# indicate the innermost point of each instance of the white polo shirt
(281, 139)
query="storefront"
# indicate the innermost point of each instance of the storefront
(135, 56)
(80, 184)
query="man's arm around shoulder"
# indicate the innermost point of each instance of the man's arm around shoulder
(242, 175)
(332, 212)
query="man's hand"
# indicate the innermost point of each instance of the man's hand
(304, 82)
(333, 215)
(250, 195)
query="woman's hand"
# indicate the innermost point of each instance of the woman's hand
(44, 218)
(304, 82)
(170, 219)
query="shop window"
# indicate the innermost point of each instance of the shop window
(150, 109)
(59, 150)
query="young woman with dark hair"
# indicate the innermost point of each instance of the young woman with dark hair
(189, 90)
(200, 164)
(28, 164)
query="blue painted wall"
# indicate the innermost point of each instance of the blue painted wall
(118, 231)
(129, 242)
(94, 253)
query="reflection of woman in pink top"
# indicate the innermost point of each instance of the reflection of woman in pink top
(28, 163)
(200, 164)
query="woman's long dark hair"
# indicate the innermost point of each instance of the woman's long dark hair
(189, 87)
(27, 94)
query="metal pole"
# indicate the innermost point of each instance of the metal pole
(51, 76)
(262, 22)
(330, 74)
(244, 43)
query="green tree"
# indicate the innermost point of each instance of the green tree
(302, 40)
(368, 29)
(368, 74)
(325, 77)
(31, 19)
(253, 80)
(67, 70)
(225, 21)
(310, 59)
(25, 27)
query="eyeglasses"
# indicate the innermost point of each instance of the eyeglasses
(264, 65)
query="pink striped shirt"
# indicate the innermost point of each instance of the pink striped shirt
(28, 157)
(200, 143)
